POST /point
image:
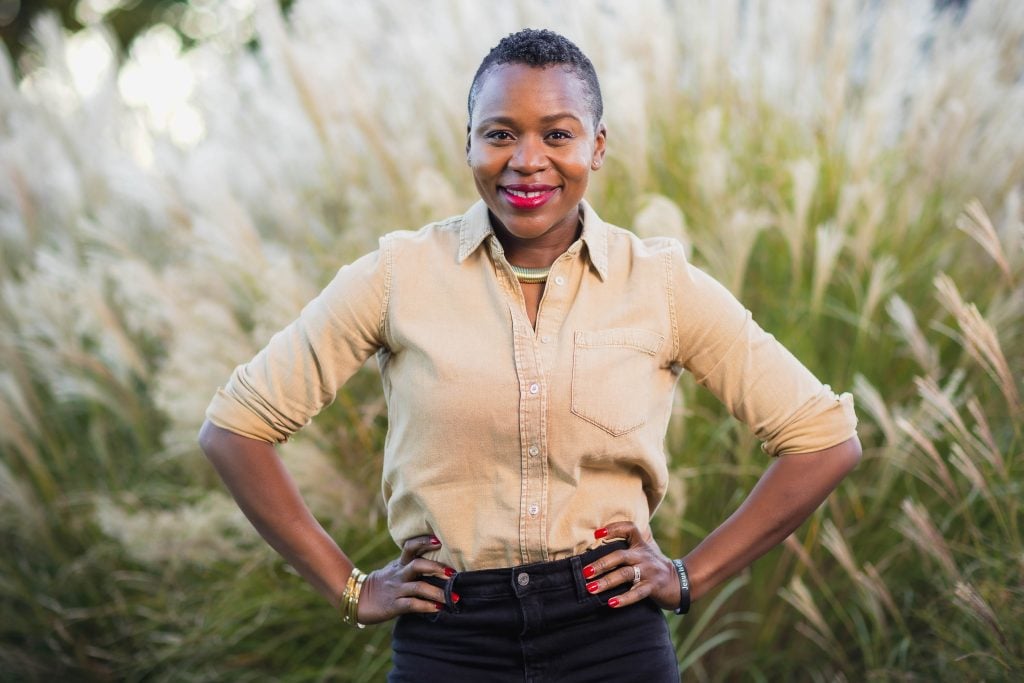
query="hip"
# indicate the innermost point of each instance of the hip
(534, 622)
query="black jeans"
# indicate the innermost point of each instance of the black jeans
(531, 624)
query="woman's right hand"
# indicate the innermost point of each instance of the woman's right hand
(398, 588)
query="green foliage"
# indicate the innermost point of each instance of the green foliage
(853, 173)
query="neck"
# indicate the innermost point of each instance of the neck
(540, 251)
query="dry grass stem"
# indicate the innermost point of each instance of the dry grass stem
(975, 222)
(917, 527)
(163, 212)
(948, 489)
(980, 340)
(924, 353)
(966, 596)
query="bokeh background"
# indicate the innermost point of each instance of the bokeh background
(178, 177)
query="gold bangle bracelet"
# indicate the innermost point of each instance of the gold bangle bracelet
(350, 598)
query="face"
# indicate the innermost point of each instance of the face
(532, 145)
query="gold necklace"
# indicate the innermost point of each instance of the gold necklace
(535, 275)
(530, 275)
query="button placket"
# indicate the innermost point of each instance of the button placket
(535, 350)
(532, 404)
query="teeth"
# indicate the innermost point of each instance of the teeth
(526, 195)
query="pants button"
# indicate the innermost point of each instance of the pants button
(523, 579)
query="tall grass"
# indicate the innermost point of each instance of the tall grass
(853, 170)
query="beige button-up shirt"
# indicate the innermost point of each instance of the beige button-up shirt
(512, 444)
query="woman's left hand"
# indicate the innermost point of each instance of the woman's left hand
(643, 558)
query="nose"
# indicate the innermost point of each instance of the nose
(529, 156)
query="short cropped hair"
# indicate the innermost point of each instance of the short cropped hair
(540, 49)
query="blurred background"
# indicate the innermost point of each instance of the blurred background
(177, 178)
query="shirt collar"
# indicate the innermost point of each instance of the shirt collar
(476, 227)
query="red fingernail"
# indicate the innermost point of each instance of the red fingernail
(449, 572)
(601, 533)
(438, 605)
(613, 602)
(455, 596)
(592, 587)
(588, 572)
(434, 540)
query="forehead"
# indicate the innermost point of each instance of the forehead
(521, 90)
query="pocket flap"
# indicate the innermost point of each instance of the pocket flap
(629, 337)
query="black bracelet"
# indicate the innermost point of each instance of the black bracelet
(684, 587)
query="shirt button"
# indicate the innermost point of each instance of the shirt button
(545, 339)
(523, 579)
(534, 450)
(534, 509)
(559, 280)
(534, 388)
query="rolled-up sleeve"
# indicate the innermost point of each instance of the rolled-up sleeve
(760, 382)
(302, 367)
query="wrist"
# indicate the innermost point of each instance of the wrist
(349, 607)
(684, 587)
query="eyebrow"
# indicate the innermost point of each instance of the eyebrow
(550, 118)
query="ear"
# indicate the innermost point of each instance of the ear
(469, 138)
(600, 141)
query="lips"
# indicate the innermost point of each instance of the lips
(527, 196)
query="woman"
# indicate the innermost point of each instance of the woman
(529, 353)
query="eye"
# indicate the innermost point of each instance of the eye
(498, 135)
(560, 135)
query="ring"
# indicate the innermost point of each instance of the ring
(636, 574)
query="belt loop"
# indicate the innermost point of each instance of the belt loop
(576, 567)
(448, 602)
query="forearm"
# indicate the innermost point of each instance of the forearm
(266, 493)
(787, 493)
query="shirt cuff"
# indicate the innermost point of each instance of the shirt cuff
(228, 412)
(825, 421)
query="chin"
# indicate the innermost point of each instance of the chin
(529, 228)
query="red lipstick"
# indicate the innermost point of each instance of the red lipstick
(532, 196)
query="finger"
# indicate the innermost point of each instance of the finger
(417, 545)
(423, 567)
(391, 595)
(634, 595)
(384, 599)
(627, 531)
(420, 590)
(603, 565)
(418, 605)
(617, 576)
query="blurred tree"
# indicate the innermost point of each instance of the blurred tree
(127, 18)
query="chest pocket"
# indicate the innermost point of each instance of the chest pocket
(612, 373)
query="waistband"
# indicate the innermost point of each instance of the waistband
(515, 582)
(508, 576)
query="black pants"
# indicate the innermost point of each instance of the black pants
(531, 624)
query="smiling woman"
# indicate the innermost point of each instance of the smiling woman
(529, 353)
(532, 141)
(532, 145)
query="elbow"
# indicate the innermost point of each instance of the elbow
(223, 447)
(209, 439)
(205, 437)
(851, 453)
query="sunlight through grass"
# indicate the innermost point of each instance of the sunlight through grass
(852, 170)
